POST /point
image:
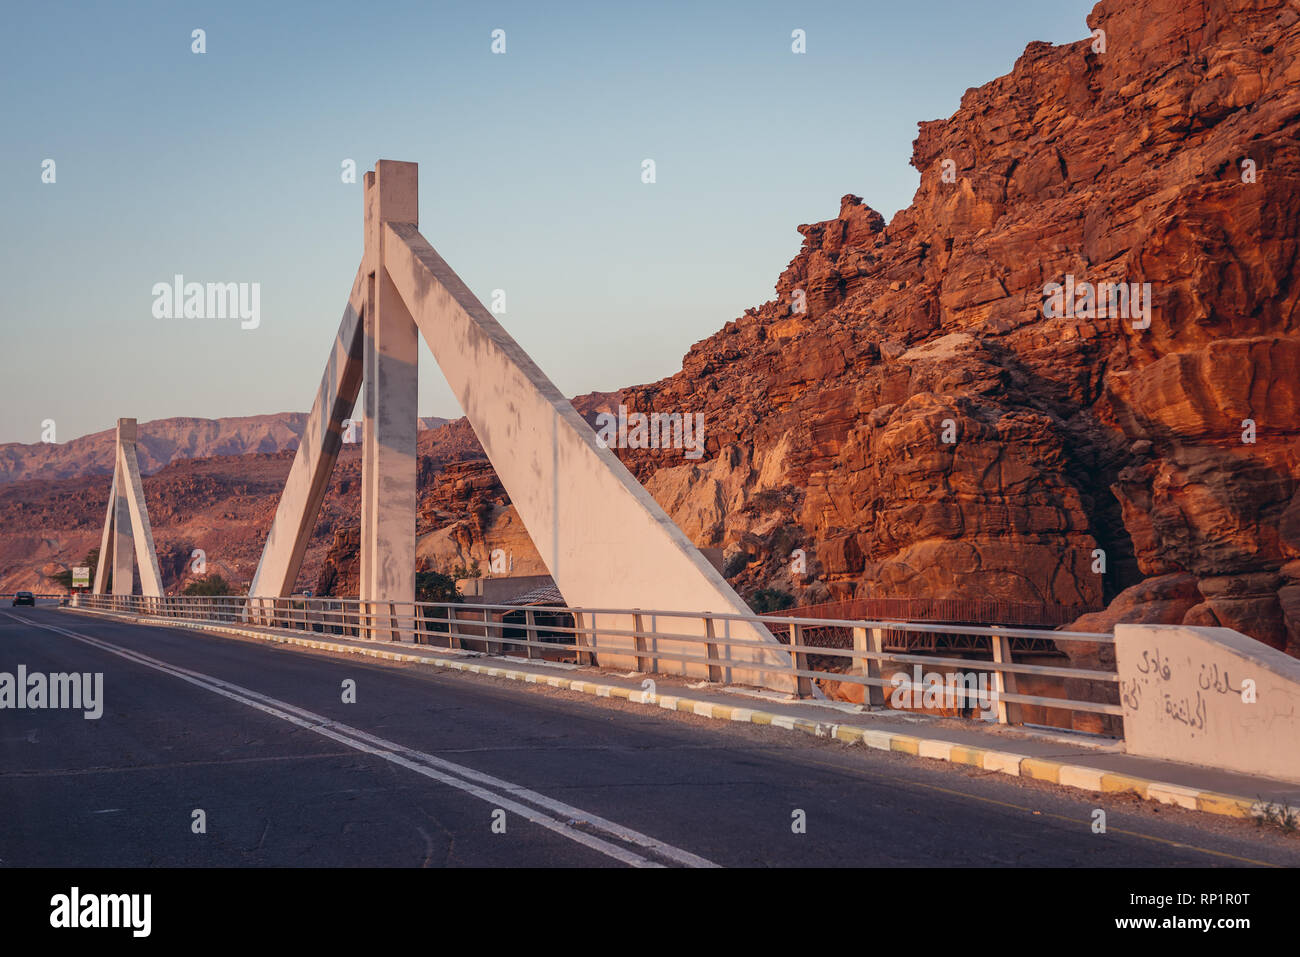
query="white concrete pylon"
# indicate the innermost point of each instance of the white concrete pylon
(604, 539)
(376, 348)
(392, 350)
(127, 532)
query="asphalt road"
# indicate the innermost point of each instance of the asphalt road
(428, 768)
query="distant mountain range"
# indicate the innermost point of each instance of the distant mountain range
(160, 442)
(216, 496)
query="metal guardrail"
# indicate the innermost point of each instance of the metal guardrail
(655, 641)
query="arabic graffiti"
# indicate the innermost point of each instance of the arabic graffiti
(1131, 694)
(1211, 679)
(1152, 664)
(1182, 710)
(1175, 701)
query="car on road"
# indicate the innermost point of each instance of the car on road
(24, 598)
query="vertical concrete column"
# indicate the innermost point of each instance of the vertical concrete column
(392, 379)
(368, 266)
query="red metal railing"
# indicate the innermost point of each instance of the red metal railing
(968, 611)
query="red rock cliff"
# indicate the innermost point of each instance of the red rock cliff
(1076, 435)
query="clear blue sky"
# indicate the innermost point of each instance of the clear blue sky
(225, 167)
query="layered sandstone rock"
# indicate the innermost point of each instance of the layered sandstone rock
(939, 435)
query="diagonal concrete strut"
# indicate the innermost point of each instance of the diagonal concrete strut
(605, 540)
(318, 450)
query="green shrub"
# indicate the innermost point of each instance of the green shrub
(435, 586)
(770, 599)
(212, 584)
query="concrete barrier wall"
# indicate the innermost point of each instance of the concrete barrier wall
(1209, 696)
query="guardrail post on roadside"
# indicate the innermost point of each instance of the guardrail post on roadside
(715, 666)
(580, 638)
(802, 683)
(638, 633)
(530, 631)
(453, 629)
(1004, 682)
(870, 640)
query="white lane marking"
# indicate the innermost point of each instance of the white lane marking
(421, 762)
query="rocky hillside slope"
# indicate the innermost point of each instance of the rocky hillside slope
(223, 505)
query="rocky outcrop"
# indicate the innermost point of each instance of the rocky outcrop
(340, 572)
(945, 431)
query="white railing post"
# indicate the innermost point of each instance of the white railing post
(870, 640)
(711, 650)
(799, 659)
(453, 629)
(580, 637)
(1004, 682)
(638, 630)
(530, 631)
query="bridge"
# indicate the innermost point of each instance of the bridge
(651, 719)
